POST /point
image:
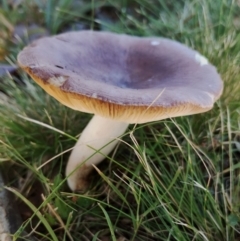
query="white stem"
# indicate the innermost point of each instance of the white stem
(96, 141)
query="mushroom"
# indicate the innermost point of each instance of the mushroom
(121, 79)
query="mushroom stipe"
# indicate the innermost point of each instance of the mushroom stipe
(121, 79)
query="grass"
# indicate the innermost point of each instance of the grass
(176, 179)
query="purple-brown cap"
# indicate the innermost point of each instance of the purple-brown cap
(126, 78)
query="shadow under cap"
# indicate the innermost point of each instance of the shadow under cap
(113, 75)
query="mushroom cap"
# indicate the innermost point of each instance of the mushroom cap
(127, 78)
